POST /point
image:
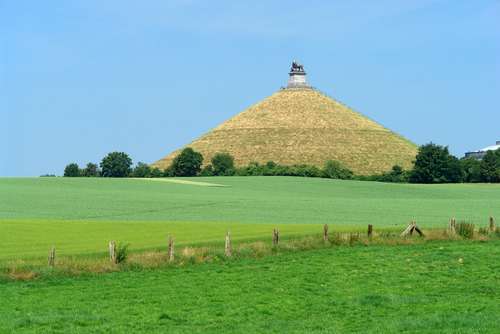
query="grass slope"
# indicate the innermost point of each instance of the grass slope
(304, 126)
(82, 215)
(379, 289)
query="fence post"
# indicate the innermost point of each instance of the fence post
(408, 230)
(452, 227)
(112, 251)
(170, 249)
(325, 232)
(228, 248)
(492, 225)
(370, 230)
(276, 237)
(52, 256)
(412, 228)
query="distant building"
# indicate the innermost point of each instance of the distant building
(481, 153)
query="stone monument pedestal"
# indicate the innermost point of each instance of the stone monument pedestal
(297, 77)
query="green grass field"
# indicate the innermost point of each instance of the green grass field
(420, 287)
(437, 287)
(80, 216)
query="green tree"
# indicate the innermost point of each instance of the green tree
(116, 164)
(156, 172)
(490, 167)
(72, 170)
(435, 164)
(223, 164)
(187, 163)
(472, 169)
(91, 170)
(270, 168)
(335, 170)
(253, 169)
(141, 170)
(208, 170)
(397, 174)
(168, 172)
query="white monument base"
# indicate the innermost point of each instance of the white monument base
(297, 80)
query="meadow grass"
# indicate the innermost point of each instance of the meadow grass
(387, 284)
(85, 264)
(81, 215)
(28, 239)
(246, 200)
(432, 287)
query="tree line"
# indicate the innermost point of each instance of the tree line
(190, 163)
(433, 164)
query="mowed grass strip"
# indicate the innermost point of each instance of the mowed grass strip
(440, 287)
(189, 182)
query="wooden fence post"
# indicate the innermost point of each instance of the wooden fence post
(452, 226)
(408, 230)
(492, 225)
(276, 237)
(52, 256)
(412, 228)
(170, 249)
(112, 251)
(325, 232)
(228, 248)
(370, 230)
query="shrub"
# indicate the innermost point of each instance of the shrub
(465, 230)
(72, 170)
(187, 163)
(116, 164)
(484, 231)
(396, 175)
(306, 170)
(271, 168)
(223, 164)
(271, 165)
(121, 252)
(252, 169)
(335, 170)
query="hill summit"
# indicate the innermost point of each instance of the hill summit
(300, 125)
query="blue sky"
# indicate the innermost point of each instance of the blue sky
(79, 79)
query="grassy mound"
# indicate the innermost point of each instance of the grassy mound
(303, 126)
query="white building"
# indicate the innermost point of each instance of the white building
(481, 153)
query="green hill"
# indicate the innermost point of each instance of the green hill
(304, 126)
